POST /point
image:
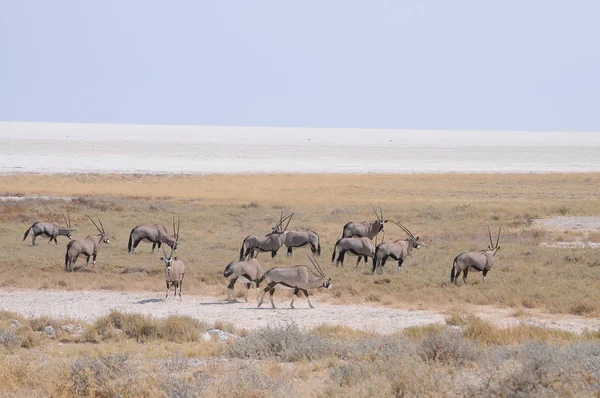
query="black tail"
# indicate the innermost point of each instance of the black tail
(334, 247)
(453, 272)
(67, 259)
(227, 273)
(262, 278)
(318, 244)
(242, 249)
(27, 232)
(131, 241)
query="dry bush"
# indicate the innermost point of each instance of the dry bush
(250, 381)
(9, 339)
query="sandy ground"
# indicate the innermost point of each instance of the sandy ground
(88, 305)
(84, 148)
(564, 223)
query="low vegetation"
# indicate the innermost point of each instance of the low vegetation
(436, 360)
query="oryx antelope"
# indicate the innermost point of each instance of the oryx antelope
(366, 228)
(174, 272)
(88, 246)
(50, 229)
(156, 234)
(361, 247)
(250, 271)
(398, 250)
(480, 261)
(268, 243)
(295, 239)
(299, 278)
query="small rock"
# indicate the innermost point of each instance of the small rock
(221, 335)
(68, 328)
(50, 331)
(206, 336)
(15, 323)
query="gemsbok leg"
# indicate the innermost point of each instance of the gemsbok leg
(296, 291)
(306, 294)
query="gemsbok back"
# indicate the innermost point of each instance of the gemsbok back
(398, 250)
(271, 242)
(361, 247)
(88, 246)
(299, 278)
(50, 229)
(156, 234)
(174, 273)
(295, 239)
(480, 261)
(367, 229)
(250, 271)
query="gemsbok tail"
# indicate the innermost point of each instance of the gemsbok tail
(130, 244)
(242, 249)
(27, 232)
(334, 247)
(228, 271)
(318, 244)
(453, 272)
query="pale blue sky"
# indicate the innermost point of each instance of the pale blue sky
(312, 63)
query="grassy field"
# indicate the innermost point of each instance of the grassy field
(448, 212)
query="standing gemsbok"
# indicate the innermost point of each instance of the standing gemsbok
(88, 247)
(361, 247)
(50, 229)
(299, 278)
(398, 250)
(480, 261)
(295, 239)
(174, 272)
(268, 243)
(368, 229)
(156, 234)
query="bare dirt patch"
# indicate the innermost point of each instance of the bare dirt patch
(564, 223)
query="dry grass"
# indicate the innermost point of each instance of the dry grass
(448, 212)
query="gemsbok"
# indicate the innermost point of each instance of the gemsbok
(174, 273)
(295, 239)
(88, 247)
(249, 271)
(398, 250)
(367, 229)
(156, 234)
(50, 229)
(271, 242)
(299, 278)
(480, 261)
(361, 247)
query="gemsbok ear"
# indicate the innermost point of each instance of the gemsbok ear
(162, 259)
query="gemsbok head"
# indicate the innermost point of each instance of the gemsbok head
(479, 261)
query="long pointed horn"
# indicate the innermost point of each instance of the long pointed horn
(164, 252)
(375, 211)
(380, 212)
(404, 229)
(288, 221)
(174, 232)
(316, 265)
(103, 231)
(96, 225)
(498, 240)
(178, 226)
(490, 234)
(65, 218)
(69, 216)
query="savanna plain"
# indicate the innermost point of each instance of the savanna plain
(129, 354)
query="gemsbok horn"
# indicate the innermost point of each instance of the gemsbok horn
(398, 250)
(480, 261)
(156, 234)
(50, 229)
(88, 246)
(299, 278)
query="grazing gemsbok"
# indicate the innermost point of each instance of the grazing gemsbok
(299, 278)
(88, 246)
(480, 261)
(361, 247)
(253, 244)
(156, 234)
(250, 271)
(366, 228)
(50, 230)
(398, 250)
(174, 272)
(302, 238)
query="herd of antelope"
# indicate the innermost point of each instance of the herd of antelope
(357, 238)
